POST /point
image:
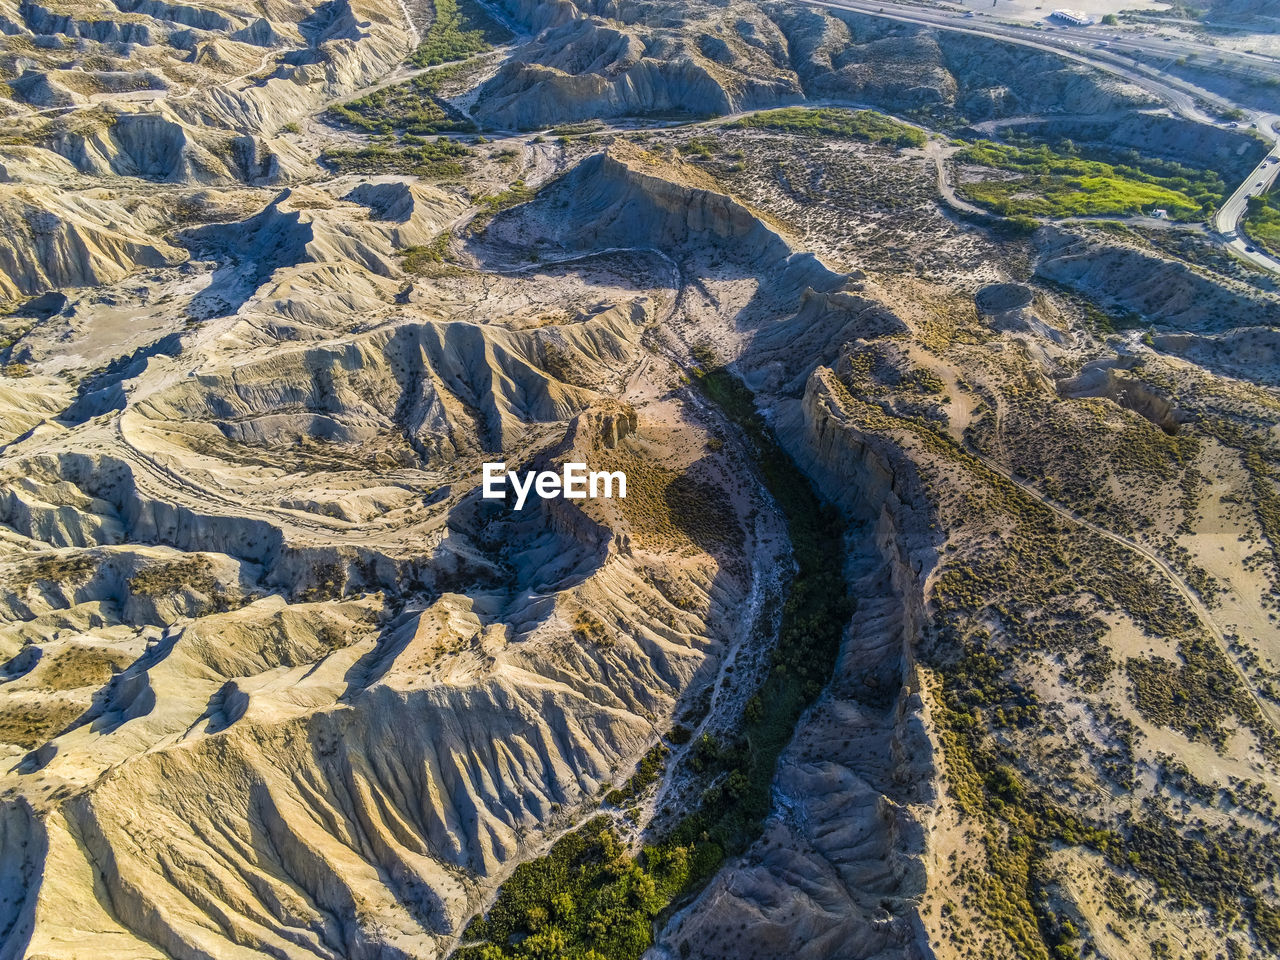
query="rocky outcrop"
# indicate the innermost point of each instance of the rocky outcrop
(151, 145)
(1110, 377)
(627, 199)
(898, 67)
(187, 15)
(359, 234)
(53, 240)
(40, 89)
(1249, 353)
(345, 45)
(42, 20)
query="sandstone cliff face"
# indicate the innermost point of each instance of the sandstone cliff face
(1110, 378)
(609, 60)
(903, 69)
(148, 145)
(613, 60)
(1249, 353)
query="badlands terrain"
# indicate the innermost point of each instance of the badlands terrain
(939, 619)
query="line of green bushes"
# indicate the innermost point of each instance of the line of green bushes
(1262, 222)
(865, 125)
(439, 159)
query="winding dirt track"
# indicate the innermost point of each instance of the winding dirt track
(948, 374)
(1172, 575)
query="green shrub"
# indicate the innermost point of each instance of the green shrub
(413, 107)
(1262, 222)
(866, 125)
(440, 160)
(460, 30)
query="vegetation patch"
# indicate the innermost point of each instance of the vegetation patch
(59, 568)
(460, 30)
(514, 195)
(646, 775)
(1194, 696)
(1060, 182)
(587, 898)
(28, 724)
(414, 107)
(588, 628)
(866, 125)
(666, 508)
(77, 666)
(1262, 222)
(438, 160)
(164, 579)
(424, 259)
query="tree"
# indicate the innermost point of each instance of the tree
(1110, 20)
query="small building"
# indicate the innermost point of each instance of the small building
(1160, 213)
(1074, 18)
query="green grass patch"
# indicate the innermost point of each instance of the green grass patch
(491, 204)
(589, 900)
(1262, 222)
(1062, 183)
(514, 195)
(865, 125)
(461, 30)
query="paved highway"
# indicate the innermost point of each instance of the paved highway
(1227, 220)
(1095, 47)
